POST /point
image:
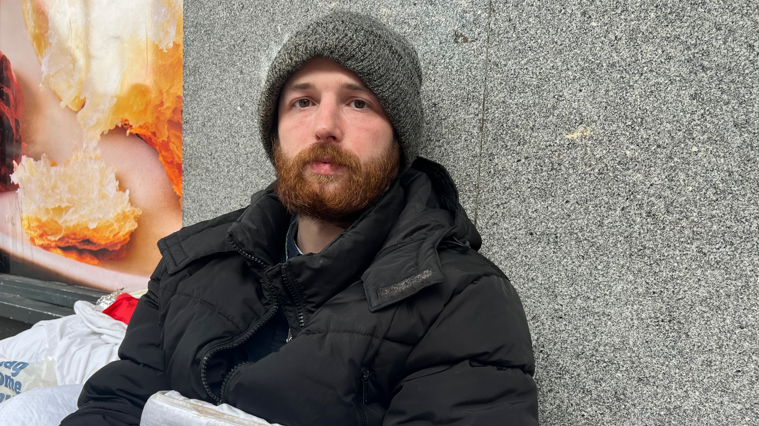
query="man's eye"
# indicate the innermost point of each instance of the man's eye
(302, 103)
(359, 103)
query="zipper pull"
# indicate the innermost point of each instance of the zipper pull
(289, 335)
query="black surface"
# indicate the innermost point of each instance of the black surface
(30, 311)
(9, 327)
(30, 300)
(47, 291)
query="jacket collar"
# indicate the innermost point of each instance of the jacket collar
(409, 260)
(260, 232)
(392, 247)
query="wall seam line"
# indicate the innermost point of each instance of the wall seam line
(482, 118)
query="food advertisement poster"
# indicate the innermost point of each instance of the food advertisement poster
(90, 138)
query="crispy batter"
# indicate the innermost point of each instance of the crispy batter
(89, 257)
(75, 209)
(106, 235)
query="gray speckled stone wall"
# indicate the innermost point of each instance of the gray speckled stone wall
(609, 151)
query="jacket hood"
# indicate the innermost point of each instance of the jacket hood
(395, 241)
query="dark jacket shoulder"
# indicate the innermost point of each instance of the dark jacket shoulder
(198, 240)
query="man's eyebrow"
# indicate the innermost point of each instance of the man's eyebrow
(308, 86)
(299, 86)
(353, 86)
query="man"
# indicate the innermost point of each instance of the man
(389, 317)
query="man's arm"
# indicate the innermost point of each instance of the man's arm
(474, 366)
(116, 394)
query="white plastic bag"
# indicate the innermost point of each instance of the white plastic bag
(45, 406)
(81, 344)
(170, 408)
(19, 376)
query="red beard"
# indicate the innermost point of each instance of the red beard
(337, 199)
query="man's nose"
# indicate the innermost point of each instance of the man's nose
(327, 126)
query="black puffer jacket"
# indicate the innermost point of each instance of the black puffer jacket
(397, 321)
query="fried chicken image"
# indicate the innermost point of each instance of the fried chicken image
(113, 64)
(75, 209)
(116, 63)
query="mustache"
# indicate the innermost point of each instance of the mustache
(336, 155)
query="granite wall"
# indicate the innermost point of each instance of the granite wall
(608, 152)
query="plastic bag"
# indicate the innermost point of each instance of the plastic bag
(19, 376)
(170, 408)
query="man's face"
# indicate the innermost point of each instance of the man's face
(335, 153)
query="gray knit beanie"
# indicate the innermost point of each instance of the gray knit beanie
(383, 59)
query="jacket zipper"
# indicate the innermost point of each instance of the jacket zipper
(226, 379)
(236, 342)
(301, 322)
(240, 339)
(297, 298)
(245, 253)
(361, 394)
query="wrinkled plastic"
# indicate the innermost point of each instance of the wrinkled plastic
(170, 408)
(19, 376)
(81, 344)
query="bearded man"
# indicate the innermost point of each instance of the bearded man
(348, 292)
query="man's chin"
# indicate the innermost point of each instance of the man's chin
(328, 189)
(319, 181)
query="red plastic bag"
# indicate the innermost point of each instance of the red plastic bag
(122, 308)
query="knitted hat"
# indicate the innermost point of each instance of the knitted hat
(383, 59)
